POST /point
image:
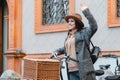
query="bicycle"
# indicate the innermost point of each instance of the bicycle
(63, 59)
(66, 59)
(107, 74)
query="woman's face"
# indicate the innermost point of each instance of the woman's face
(71, 24)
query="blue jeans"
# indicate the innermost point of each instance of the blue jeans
(74, 75)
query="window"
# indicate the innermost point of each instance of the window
(54, 11)
(113, 18)
(43, 26)
(118, 8)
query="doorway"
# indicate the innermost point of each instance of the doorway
(1, 39)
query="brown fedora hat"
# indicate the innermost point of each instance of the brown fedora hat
(75, 16)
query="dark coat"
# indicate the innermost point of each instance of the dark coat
(86, 68)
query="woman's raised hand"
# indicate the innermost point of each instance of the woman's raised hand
(83, 6)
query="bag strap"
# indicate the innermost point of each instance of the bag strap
(92, 44)
(88, 46)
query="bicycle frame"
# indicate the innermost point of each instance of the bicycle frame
(67, 58)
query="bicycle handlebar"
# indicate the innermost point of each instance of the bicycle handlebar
(51, 56)
(65, 57)
(110, 55)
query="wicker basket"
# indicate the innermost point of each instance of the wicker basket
(41, 69)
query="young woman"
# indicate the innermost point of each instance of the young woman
(75, 45)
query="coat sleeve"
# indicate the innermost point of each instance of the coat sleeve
(60, 50)
(92, 23)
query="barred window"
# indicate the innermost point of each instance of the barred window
(118, 8)
(54, 11)
(49, 15)
(113, 13)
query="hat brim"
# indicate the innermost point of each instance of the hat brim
(73, 17)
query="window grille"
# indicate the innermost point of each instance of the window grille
(118, 8)
(54, 11)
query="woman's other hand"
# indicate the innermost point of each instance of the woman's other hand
(53, 54)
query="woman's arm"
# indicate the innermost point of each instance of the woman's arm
(59, 51)
(92, 22)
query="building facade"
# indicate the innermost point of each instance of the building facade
(22, 29)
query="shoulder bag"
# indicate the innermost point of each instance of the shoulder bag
(94, 52)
